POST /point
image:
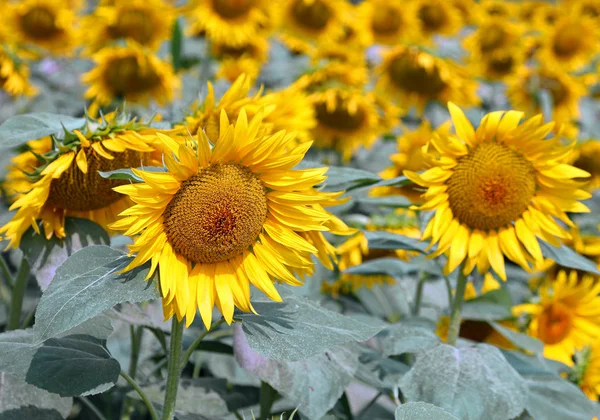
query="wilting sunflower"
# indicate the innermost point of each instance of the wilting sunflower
(45, 23)
(306, 23)
(147, 22)
(387, 23)
(232, 22)
(589, 362)
(355, 251)
(586, 156)
(413, 77)
(130, 73)
(348, 119)
(246, 59)
(567, 318)
(14, 74)
(436, 17)
(409, 157)
(220, 219)
(523, 90)
(58, 178)
(496, 190)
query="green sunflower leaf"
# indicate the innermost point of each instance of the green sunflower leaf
(566, 257)
(345, 178)
(128, 175)
(422, 411)
(23, 128)
(495, 304)
(387, 240)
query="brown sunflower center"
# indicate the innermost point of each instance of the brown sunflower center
(492, 37)
(216, 214)
(408, 75)
(39, 22)
(232, 9)
(591, 10)
(556, 88)
(491, 187)
(386, 20)
(555, 323)
(311, 14)
(589, 159)
(77, 191)
(567, 41)
(340, 118)
(433, 17)
(127, 75)
(501, 64)
(135, 24)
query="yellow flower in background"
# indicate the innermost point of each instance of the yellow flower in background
(409, 157)
(567, 317)
(586, 156)
(147, 22)
(496, 190)
(48, 24)
(528, 11)
(387, 23)
(585, 8)
(436, 17)
(14, 74)
(220, 219)
(467, 10)
(246, 59)
(64, 180)
(130, 73)
(590, 380)
(413, 77)
(334, 73)
(496, 9)
(500, 64)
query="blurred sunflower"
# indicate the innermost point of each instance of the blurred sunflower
(231, 22)
(586, 156)
(355, 251)
(246, 59)
(334, 73)
(349, 46)
(585, 8)
(528, 11)
(497, 8)
(14, 74)
(409, 157)
(47, 24)
(492, 35)
(386, 22)
(413, 77)
(129, 73)
(435, 17)
(567, 317)
(590, 377)
(467, 10)
(58, 178)
(306, 23)
(147, 22)
(500, 64)
(496, 190)
(221, 218)
(546, 16)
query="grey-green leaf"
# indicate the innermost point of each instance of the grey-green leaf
(422, 411)
(86, 285)
(346, 178)
(495, 304)
(566, 257)
(388, 240)
(16, 394)
(16, 352)
(522, 341)
(400, 338)
(23, 128)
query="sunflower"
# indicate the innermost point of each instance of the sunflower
(436, 17)
(355, 251)
(334, 73)
(130, 73)
(499, 64)
(45, 23)
(496, 8)
(348, 47)
(348, 118)
(409, 157)
(386, 22)
(586, 156)
(221, 218)
(147, 22)
(528, 12)
(492, 35)
(467, 10)
(14, 74)
(246, 59)
(585, 8)
(496, 190)
(306, 23)
(590, 378)
(232, 22)
(413, 77)
(567, 317)
(523, 90)
(58, 178)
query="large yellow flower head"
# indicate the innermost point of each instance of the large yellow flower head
(58, 178)
(130, 73)
(388, 23)
(436, 17)
(47, 24)
(567, 317)
(222, 218)
(413, 77)
(147, 22)
(14, 74)
(497, 190)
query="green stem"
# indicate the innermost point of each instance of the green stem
(9, 278)
(14, 318)
(418, 296)
(136, 341)
(190, 350)
(267, 398)
(142, 395)
(174, 369)
(459, 297)
(92, 408)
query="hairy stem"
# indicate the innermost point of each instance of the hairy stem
(14, 317)
(459, 296)
(174, 369)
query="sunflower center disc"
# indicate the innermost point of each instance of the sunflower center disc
(231, 9)
(555, 87)
(39, 23)
(77, 191)
(491, 187)
(311, 14)
(126, 76)
(216, 214)
(501, 64)
(567, 41)
(491, 38)
(386, 20)
(411, 77)
(340, 118)
(433, 17)
(554, 323)
(135, 24)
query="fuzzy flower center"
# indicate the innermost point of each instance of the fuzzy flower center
(127, 75)
(432, 17)
(341, 117)
(217, 214)
(232, 9)
(554, 324)
(409, 76)
(491, 187)
(567, 41)
(501, 64)
(556, 88)
(492, 37)
(135, 24)
(311, 14)
(39, 23)
(78, 191)
(386, 20)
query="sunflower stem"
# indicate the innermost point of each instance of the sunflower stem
(18, 292)
(174, 369)
(459, 297)
(190, 350)
(142, 395)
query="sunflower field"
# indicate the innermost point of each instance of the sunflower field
(300, 209)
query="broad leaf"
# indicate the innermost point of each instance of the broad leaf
(16, 395)
(399, 181)
(400, 338)
(495, 304)
(299, 328)
(566, 257)
(520, 340)
(16, 352)
(23, 128)
(346, 178)
(422, 411)
(388, 240)
(86, 285)
(391, 201)
(125, 174)
(388, 266)
(378, 371)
